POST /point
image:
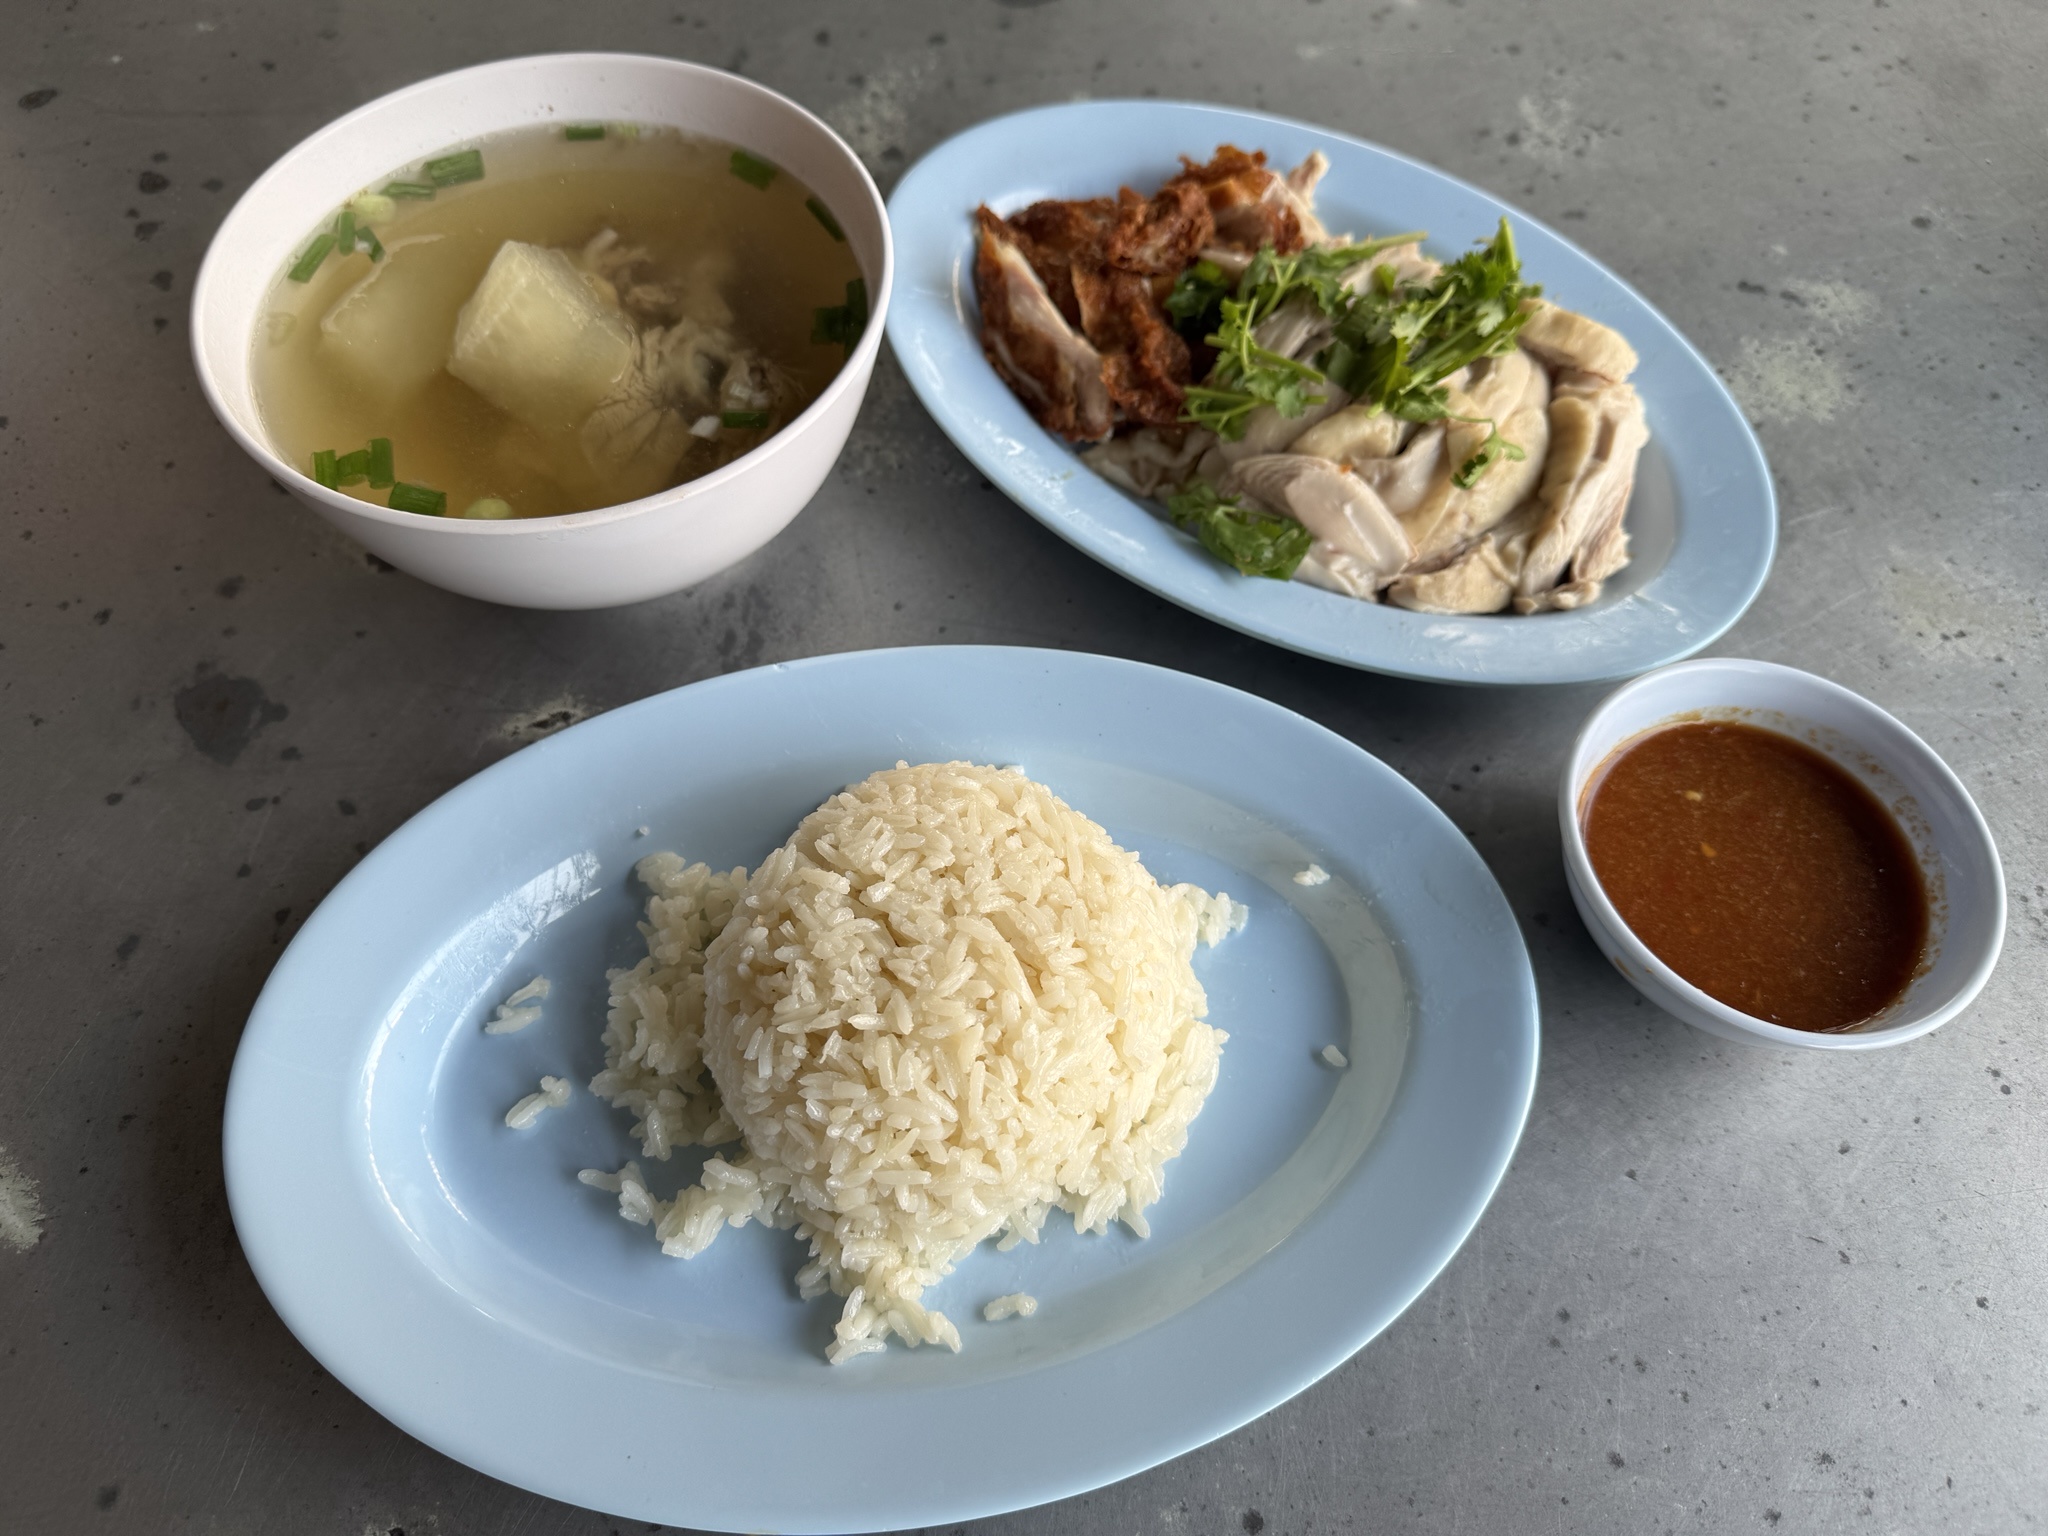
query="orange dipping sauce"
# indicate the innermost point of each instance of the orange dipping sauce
(1760, 871)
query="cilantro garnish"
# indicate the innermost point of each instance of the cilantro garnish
(1255, 544)
(1247, 375)
(1396, 343)
(1393, 346)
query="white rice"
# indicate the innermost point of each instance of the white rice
(520, 1009)
(1016, 1304)
(1335, 1057)
(948, 1004)
(553, 1094)
(1315, 874)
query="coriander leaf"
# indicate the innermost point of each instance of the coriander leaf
(1196, 289)
(1252, 543)
(1246, 375)
(1396, 343)
(1490, 452)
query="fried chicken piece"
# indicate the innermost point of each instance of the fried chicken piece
(1251, 205)
(1161, 234)
(1057, 374)
(1056, 236)
(1145, 361)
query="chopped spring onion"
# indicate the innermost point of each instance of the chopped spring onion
(324, 469)
(408, 189)
(755, 172)
(379, 465)
(574, 133)
(417, 498)
(345, 231)
(309, 260)
(453, 170)
(824, 216)
(843, 323)
(352, 468)
(742, 420)
(487, 508)
(373, 208)
(371, 243)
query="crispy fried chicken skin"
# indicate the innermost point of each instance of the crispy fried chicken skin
(1251, 205)
(1053, 369)
(1103, 267)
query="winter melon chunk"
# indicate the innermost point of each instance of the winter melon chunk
(540, 339)
(389, 333)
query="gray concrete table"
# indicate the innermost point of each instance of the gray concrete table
(1720, 1290)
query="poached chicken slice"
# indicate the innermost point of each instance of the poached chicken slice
(1597, 430)
(1340, 509)
(1566, 340)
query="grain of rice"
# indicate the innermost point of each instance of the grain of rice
(554, 1092)
(1016, 1304)
(1335, 1057)
(947, 1005)
(520, 1009)
(1315, 874)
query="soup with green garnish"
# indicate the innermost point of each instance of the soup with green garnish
(553, 320)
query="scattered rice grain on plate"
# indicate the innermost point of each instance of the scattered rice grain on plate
(520, 1009)
(1335, 1057)
(1016, 1304)
(554, 1092)
(1315, 874)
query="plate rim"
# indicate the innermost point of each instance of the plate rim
(257, 1227)
(911, 307)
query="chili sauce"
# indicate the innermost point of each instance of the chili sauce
(1760, 871)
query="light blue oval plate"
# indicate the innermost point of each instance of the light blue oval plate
(456, 1276)
(1704, 519)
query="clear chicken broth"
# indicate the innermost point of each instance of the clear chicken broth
(770, 254)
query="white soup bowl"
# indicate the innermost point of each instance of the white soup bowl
(622, 554)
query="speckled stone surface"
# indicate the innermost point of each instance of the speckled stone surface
(1721, 1290)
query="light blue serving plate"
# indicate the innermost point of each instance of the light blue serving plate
(456, 1276)
(1703, 522)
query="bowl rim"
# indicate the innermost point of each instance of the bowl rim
(1578, 771)
(855, 368)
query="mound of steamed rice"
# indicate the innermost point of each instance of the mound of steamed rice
(948, 1004)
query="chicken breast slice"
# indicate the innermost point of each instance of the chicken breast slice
(1478, 581)
(1514, 393)
(1567, 340)
(1597, 434)
(1297, 329)
(1330, 568)
(1412, 269)
(1405, 479)
(1338, 508)
(1267, 431)
(1359, 432)
(1028, 341)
